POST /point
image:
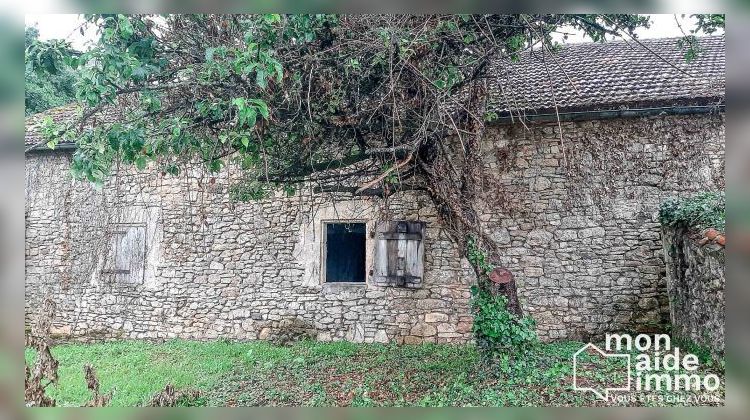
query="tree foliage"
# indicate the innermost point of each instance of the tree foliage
(363, 103)
(289, 95)
(46, 90)
(706, 23)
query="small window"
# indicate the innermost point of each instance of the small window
(344, 252)
(126, 254)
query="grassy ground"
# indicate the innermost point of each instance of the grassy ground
(333, 374)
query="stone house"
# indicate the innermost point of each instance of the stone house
(156, 257)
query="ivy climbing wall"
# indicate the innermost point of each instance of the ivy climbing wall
(576, 219)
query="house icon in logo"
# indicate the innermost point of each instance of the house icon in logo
(581, 363)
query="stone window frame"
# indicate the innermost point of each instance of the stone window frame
(324, 248)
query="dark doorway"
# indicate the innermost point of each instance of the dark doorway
(345, 252)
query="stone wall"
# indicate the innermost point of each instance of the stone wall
(695, 284)
(216, 268)
(577, 220)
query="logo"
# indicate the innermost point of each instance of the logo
(602, 393)
(647, 364)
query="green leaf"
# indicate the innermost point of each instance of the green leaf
(250, 116)
(215, 165)
(139, 73)
(245, 141)
(279, 71)
(248, 162)
(125, 27)
(249, 68)
(260, 78)
(272, 18)
(172, 170)
(140, 163)
(261, 106)
(238, 102)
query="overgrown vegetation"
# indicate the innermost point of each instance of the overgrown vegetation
(41, 372)
(326, 374)
(704, 210)
(45, 91)
(133, 373)
(704, 354)
(503, 337)
(498, 332)
(323, 100)
(346, 103)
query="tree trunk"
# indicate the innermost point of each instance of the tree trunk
(453, 174)
(507, 286)
(454, 190)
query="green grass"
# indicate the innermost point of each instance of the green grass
(324, 374)
(136, 370)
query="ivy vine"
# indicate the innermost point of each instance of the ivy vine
(501, 336)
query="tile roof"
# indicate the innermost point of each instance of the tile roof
(34, 122)
(585, 76)
(611, 75)
(62, 115)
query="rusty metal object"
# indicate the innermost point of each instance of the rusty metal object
(501, 276)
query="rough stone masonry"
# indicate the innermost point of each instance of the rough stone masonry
(576, 220)
(696, 281)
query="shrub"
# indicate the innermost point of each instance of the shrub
(704, 210)
(497, 330)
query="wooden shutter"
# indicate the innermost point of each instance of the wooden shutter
(126, 257)
(399, 254)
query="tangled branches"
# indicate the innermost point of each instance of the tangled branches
(346, 102)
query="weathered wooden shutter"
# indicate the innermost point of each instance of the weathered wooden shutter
(127, 254)
(399, 254)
